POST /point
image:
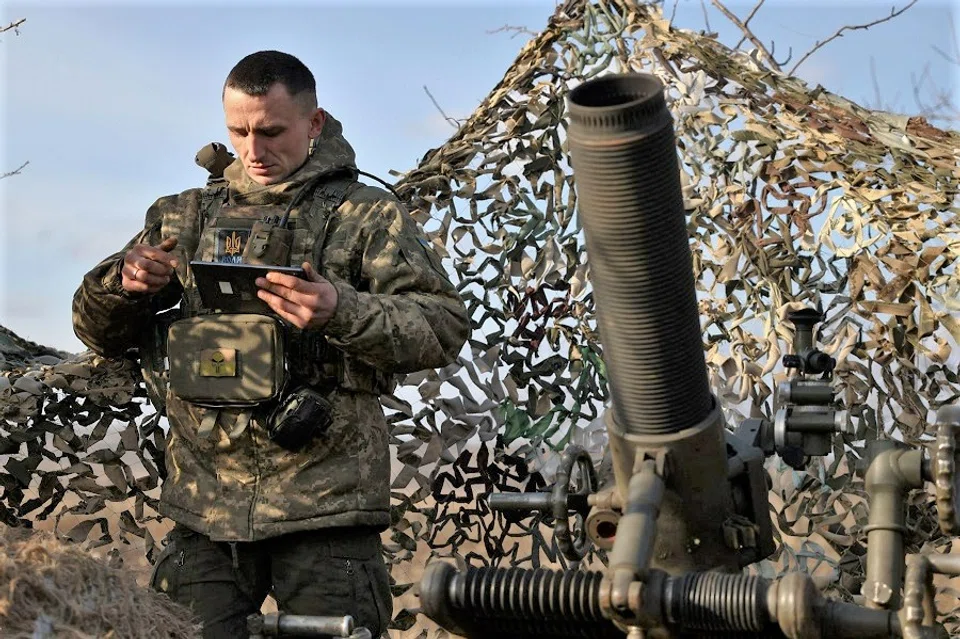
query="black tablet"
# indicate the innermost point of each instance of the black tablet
(232, 287)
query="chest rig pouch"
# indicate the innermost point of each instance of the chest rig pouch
(227, 359)
(233, 359)
(248, 359)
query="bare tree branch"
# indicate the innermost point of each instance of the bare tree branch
(14, 26)
(773, 53)
(955, 57)
(451, 121)
(673, 14)
(706, 17)
(894, 12)
(16, 171)
(879, 102)
(517, 31)
(877, 96)
(943, 54)
(746, 21)
(942, 108)
(748, 33)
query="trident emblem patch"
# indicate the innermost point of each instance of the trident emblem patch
(230, 244)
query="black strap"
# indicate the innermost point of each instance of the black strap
(381, 181)
(327, 198)
(309, 347)
(212, 199)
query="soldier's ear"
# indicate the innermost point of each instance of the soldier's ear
(316, 123)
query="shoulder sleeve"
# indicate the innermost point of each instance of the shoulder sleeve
(405, 315)
(108, 319)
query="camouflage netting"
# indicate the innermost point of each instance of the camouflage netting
(796, 197)
(52, 589)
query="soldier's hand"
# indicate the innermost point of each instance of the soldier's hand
(305, 303)
(147, 269)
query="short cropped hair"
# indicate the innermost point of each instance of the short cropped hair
(256, 74)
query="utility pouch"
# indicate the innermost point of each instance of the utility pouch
(227, 359)
(268, 244)
(303, 415)
(153, 357)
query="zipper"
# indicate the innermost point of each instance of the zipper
(256, 479)
(353, 590)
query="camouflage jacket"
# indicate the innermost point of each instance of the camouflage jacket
(397, 313)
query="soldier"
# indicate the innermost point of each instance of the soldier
(283, 492)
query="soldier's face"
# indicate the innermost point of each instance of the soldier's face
(270, 133)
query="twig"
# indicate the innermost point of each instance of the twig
(876, 83)
(673, 14)
(943, 54)
(894, 12)
(746, 21)
(748, 34)
(773, 53)
(879, 102)
(955, 58)
(917, 83)
(16, 171)
(943, 108)
(946, 109)
(13, 25)
(451, 121)
(706, 18)
(517, 31)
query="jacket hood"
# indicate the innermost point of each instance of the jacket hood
(329, 153)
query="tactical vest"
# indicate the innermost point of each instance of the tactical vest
(225, 232)
(231, 233)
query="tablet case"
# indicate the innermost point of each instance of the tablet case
(231, 288)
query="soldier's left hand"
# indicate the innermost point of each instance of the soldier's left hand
(305, 303)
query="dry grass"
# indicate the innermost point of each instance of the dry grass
(52, 589)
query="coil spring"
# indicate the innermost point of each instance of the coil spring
(717, 602)
(520, 603)
(516, 602)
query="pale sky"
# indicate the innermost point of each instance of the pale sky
(110, 102)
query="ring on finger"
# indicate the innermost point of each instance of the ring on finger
(136, 272)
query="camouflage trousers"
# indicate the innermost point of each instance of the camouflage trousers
(332, 572)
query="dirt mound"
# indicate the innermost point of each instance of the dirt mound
(52, 589)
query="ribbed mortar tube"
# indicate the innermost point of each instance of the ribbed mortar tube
(624, 155)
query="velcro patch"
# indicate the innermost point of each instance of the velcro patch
(230, 243)
(218, 362)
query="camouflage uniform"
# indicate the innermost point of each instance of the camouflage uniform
(397, 313)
